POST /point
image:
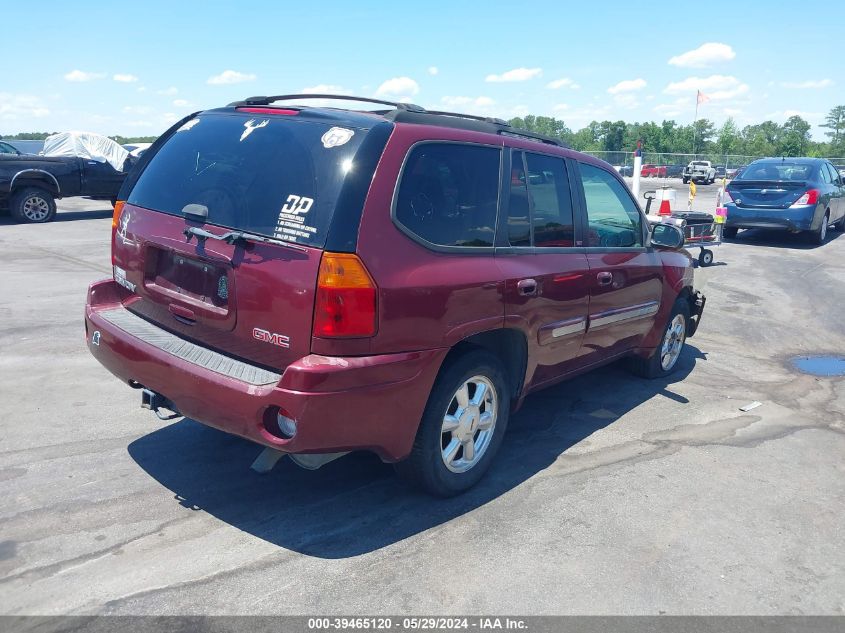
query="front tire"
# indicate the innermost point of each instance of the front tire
(462, 426)
(664, 359)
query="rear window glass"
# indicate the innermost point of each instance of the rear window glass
(449, 194)
(274, 175)
(777, 171)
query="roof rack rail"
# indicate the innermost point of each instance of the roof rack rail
(263, 101)
(411, 113)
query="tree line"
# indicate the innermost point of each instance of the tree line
(40, 136)
(768, 138)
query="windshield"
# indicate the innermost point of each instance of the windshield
(777, 171)
(273, 175)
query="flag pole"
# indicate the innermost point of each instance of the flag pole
(697, 99)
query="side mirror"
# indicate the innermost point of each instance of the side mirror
(667, 236)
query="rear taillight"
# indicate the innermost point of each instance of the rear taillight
(115, 219)
(811, 196)
(345, 305)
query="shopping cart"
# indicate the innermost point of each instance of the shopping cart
(701, 230)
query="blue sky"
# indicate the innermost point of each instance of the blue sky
(132, 68)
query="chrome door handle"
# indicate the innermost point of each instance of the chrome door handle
(527, 287)
(605, 278)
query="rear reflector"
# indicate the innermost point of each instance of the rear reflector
(115, 218)
(268, 111)
(345, 305)
(811, 196)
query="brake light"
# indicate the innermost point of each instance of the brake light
(269, 111)
(811, 196)
(345, 305)
(115, 218)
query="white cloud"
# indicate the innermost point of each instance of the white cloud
(15, 106)
(732, 112)
(717, 87)
(142, 88)
(626, 100)
(457, 102)
(398, 86)
(169, 118)
(517, 74)
(563, 82)
(326, 89)
(81, 75)
(181, 103)
(433, 70)
(560, 107)
(677, 107)
(168, 91)
(137, 109)
(703, 56)
(629, 85)
(126, 79)
(230, 77)
(809, 84)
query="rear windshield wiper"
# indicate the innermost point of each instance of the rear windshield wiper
(234, 237)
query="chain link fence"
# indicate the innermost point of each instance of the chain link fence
(664, 169)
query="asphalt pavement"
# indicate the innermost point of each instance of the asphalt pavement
(611, 494)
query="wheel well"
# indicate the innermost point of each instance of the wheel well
(508, 345)
(41, 182)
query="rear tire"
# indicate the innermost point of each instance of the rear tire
(664, 359)
(840, 224)
(686, 180)
(455, 443)
(818, 236)
(33, 205)
(730, 232)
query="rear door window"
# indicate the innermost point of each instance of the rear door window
(449, 194)
(274, 175)
(551, 203)
(613, 217)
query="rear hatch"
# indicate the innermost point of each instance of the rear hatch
(277, 183)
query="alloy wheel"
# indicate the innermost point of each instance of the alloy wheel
(673, 342)
(468, 424)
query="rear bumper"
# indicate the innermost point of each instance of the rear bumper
(339, 404)
(793, 219)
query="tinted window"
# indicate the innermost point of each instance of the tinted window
(5, 148)
(273, 176)
(551, 205)
(781, 170)
(449, 194)
(614, 220)
(519, 220)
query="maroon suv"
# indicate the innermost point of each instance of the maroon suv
(320, 280)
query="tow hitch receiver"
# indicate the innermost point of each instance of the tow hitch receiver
(155, 402)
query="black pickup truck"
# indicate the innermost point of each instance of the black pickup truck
(30, 185)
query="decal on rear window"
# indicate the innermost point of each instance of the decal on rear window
(291, 224)
(251, 126)
(336, 137)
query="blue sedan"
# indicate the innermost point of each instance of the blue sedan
(795, 194)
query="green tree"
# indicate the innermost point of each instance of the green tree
(794, 137)
(728, 141)
(835, 122)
